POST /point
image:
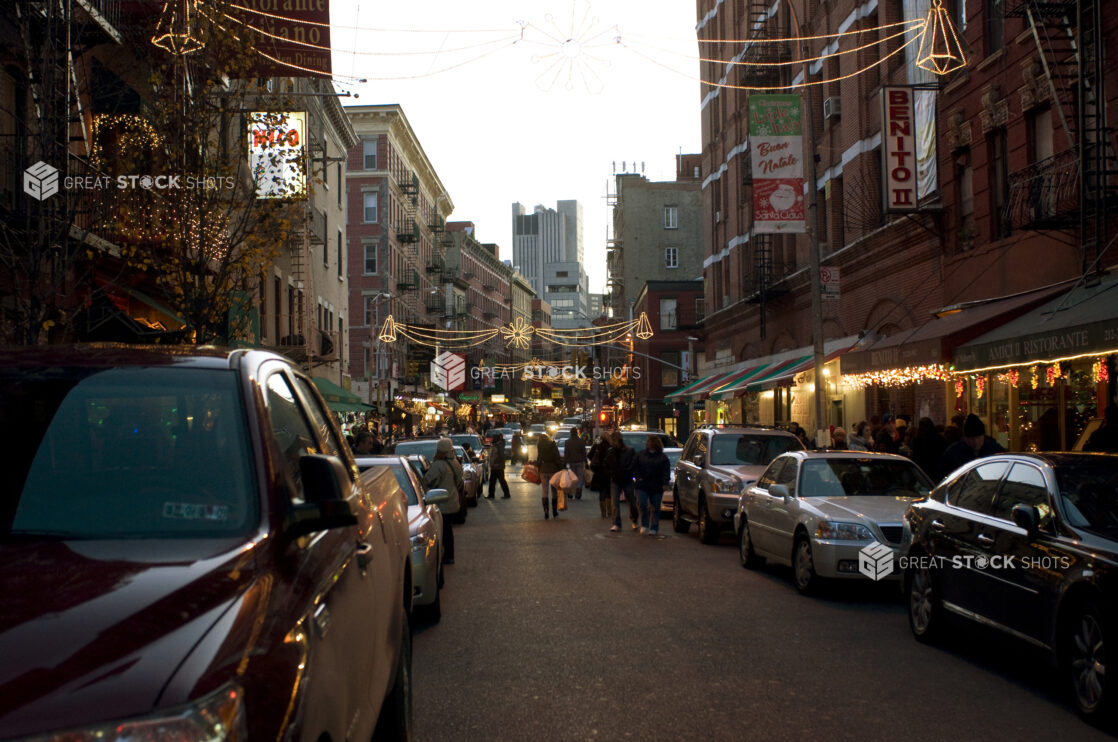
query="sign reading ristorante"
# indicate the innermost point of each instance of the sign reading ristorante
(1097, 337)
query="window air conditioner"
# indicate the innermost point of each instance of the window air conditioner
(832, 108)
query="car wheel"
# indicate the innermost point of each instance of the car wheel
(1084, 659)
(925, 611)
(441, 579)
(803, 566)
(395, 720)
(708, 532)
(679, 523)
(749, 558)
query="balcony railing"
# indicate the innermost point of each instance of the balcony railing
(1045, 194)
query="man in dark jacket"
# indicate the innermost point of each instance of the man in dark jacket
(574, 453)
(974, 445)
(549, 461)
(620, 463)
(497, 467)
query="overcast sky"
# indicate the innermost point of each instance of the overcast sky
(524, 117)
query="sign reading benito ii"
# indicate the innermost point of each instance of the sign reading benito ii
(898, 143)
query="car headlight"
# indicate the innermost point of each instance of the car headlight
(730, 485)
(829, 529)
(219, 717)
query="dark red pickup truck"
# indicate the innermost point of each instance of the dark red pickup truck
(187, 551)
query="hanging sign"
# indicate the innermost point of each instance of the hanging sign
(777, 152)
(275, 153)
(898, 144)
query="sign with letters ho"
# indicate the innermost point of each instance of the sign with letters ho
(898, 145)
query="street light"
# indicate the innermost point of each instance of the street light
(692, 372)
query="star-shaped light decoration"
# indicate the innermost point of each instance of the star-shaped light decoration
(518, 333)
(176, 31)
(940, 49)
(644, 327)
(388, 330)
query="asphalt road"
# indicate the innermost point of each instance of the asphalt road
(560, 630)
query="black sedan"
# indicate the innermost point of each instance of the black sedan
(1028, 544)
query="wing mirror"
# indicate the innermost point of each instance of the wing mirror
(436, 496)
(697, 459)
(780, 490)
(1027, 517)
(325, 506)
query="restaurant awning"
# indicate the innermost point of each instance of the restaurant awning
(337, 398)
(678, 393)
(738, 379)
(779, 369)
(505, 408)
(1081, 320)
(699, 389)
(933, 342)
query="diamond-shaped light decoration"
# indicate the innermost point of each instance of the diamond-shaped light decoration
(388, 330)
(176, 31)
(644, 327)
(940, 49)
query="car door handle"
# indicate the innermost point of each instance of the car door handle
(364, 554)
(985, 540)
(937, 526)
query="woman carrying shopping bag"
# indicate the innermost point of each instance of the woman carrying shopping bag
(549, 462)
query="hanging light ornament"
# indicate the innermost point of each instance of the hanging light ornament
(979, 387)
(1014, 375)
(960, 387)
(644, 327)
(940, 50)
(1036, 377)
(176, 31)
(518, 334)
(388, 330)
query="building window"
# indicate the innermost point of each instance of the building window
(668, 314)
(964, 210)
(341, 182)
(340, 253)
(671, 257)
(700, 309)
(370, 146)
(560, 274)
(371, 215)
(669, 369)
(671, 217)
(999, 184)
(995, 26)
(370, 260)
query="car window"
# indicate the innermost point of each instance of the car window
(407, 448)
(769, 477)
(852, 477)
(746, 449)
(1089, 494)
(333, 446)
(701, 447)
(689, 447)
(116, 453)
(975, 490)
(1025, 485)
(817, 479)
(290, 428)
(787, 475)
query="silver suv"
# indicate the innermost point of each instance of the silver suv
(714, 468)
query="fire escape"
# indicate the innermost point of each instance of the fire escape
(761, 67)
(1077, 188)
(407, 235)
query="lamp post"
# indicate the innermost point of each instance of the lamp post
(692, 372)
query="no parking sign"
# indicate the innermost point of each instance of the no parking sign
(829, 277)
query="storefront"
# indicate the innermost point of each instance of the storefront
(1040, 380)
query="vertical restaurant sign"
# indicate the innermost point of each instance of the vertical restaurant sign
(898, 142)
(777, 150)
(275, 153)
(289, 37)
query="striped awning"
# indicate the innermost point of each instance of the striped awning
(681, 393)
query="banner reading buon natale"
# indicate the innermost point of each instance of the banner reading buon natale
(776, 148)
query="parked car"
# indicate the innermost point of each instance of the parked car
(1028, 544)
(816, 511)
(668, 500)
(714, 468)
(425, 530)
(636, 438)
(477, 451)
(534, 431)
(471, 478)
(185, 539)
(456, 507)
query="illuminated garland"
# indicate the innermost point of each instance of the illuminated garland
(517, 334)
(898, 376)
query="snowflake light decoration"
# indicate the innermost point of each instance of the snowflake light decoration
(518, 333)
(571, 56)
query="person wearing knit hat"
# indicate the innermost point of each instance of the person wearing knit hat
(974, 445)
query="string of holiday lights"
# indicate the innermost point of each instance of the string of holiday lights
(517, 333)
(895, 377)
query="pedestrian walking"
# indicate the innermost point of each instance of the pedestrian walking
(974, 445)
(620, 465)
(838, 439)
(364, 444)
(497, 467)
(886, 439)
(549, 461)
(928, 447)
(652, 472)
(517, 444)
(600, 482)
(446, 473)
(859, 438)
(574, 453)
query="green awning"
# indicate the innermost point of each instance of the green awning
(337, 398)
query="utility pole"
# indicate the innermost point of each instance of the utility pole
(813, 242)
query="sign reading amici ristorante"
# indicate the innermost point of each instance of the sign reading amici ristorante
(1037, 347)
(898, 145)
(776, 147)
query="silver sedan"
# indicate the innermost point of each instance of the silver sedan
(829, 514)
